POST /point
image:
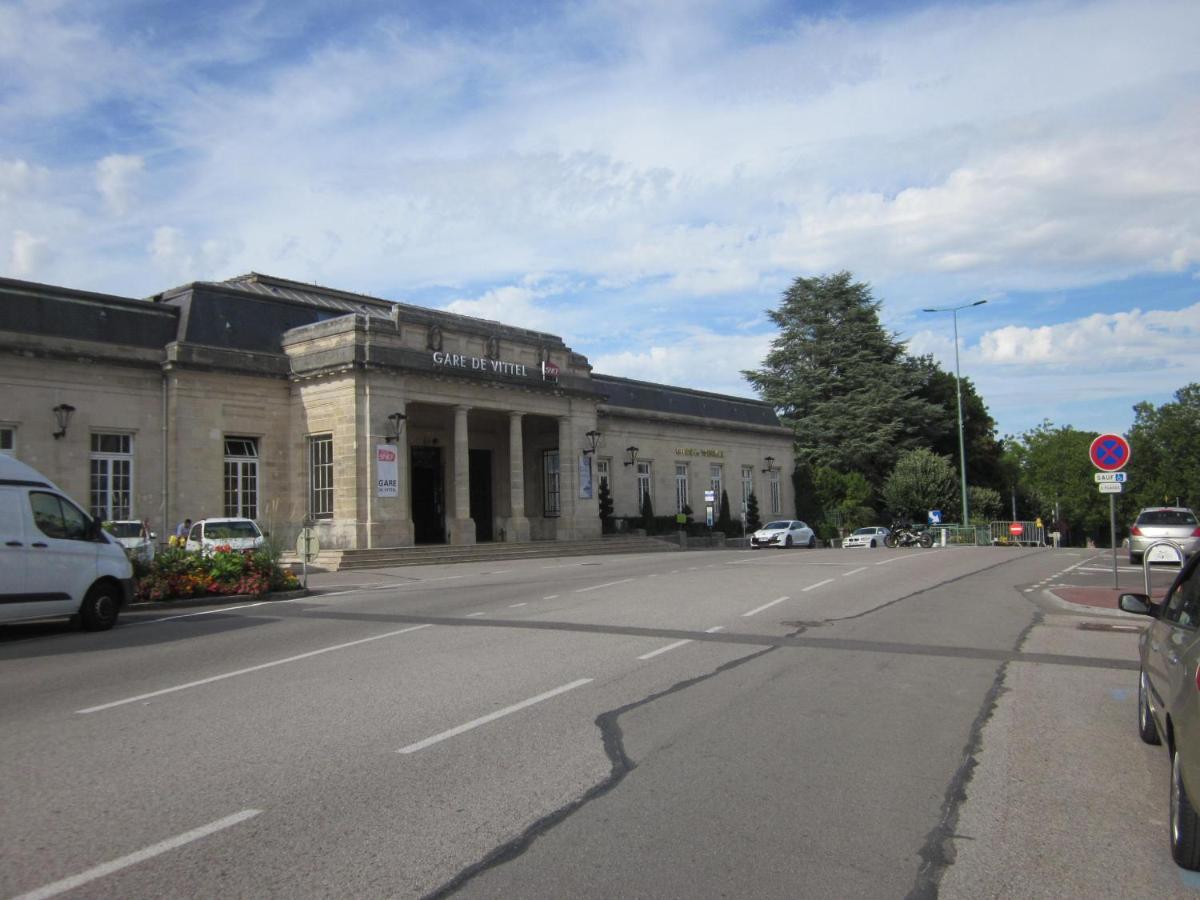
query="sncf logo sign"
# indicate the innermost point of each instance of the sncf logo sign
(549, 371)
(385, 454)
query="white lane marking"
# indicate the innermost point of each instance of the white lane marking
(764, 606)
(551, 597)
(515, 605)
(596, 587)
(654, 574)
(854, 571)
(813, 587)
(248, 670)
(654, 653)
(205, 612)
(491, 717)
(69, 884)
(473, 615)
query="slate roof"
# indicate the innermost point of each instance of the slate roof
(645, 395)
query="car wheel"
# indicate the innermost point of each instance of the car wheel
(100, 608)
(788, 542)
(1147, 729)
(1185, 824)
(1134, 560)
(812, 541)
(873, 544)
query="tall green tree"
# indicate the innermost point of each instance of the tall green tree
(985, 452)
(1164, 465)
(922, 480)
(840, 380)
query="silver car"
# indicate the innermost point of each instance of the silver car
(783, 533)
(1174, 523)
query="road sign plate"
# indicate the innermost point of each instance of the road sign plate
(1111, 487)
(307, 544)
(1109, 452)
(1101, 477)
(1164, 553)
(1016, 528)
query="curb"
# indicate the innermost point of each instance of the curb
(217, 600)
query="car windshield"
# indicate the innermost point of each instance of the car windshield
(125, 529)
(224, 531)
(865, 531)
(1179, 517)
(777, 525)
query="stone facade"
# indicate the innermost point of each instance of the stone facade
(295, 403)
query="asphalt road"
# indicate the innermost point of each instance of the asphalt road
(797, 723)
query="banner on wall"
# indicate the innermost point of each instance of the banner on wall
(585, 476)
(387, 471)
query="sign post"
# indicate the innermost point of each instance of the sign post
(307, 548)
(1110, 453)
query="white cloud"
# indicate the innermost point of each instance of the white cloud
(116, 179)
(1146, 340)
(700, 359)
(27, 254)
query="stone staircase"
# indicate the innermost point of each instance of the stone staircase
(445, 554)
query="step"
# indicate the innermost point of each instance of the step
(386, 557)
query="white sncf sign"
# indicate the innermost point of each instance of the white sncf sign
(387, 471)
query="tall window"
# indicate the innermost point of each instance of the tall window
(602, 470)
(8, 439)
(776, 498)
(643, 473)
(681, 486)
(111, 469)
(747, 485)
(552, 504)
(241, 477)
(320, 476)
(714, 479)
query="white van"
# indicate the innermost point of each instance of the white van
(55, 560)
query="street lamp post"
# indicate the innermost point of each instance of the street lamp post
(962, 448)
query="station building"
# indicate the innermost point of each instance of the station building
(380, 424)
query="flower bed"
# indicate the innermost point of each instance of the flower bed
(177, 573)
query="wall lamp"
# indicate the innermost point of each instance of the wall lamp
(632, 451)
(770, 461)
(593, 438)
(62, 415)
(396, 422)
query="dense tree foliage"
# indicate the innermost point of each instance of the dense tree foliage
(922, 480)
(985, 453)
(1164, 465)
(1053, 469)
(841, 381)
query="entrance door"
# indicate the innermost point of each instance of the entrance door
(481, 493)
(428, 506)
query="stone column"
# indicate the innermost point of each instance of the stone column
(462, 526)
(568, 481)
(518, 528)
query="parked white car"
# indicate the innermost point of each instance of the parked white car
(871, 536)
(134, 536)
(783, 533)
(238, 534)
(55, 559)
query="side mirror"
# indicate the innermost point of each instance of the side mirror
(1138, 604)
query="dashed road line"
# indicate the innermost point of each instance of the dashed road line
(124, 862)
(813, 587)
(854, 571)
(759, 609)
(668, 647)
(248, 670)
(596, 587)
(492, 717)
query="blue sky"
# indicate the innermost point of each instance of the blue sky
(642, 179)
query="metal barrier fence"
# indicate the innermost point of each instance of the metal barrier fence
(960, 535)
(997, 534)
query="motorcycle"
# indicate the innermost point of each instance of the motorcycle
(908, 535)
